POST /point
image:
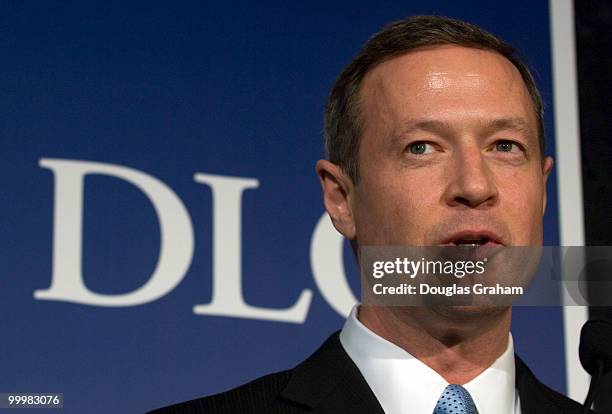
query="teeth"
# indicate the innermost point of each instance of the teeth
(470, 242)
(468, 246)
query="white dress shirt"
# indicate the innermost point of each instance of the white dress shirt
(403, 384)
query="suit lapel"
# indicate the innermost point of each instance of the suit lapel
(329, 382)
(532, 393)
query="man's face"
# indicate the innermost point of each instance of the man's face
(449, 152)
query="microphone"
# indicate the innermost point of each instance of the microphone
(595, 352)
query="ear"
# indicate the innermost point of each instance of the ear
(546, 168)
(337, 197)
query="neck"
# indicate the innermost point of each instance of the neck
(458, 343)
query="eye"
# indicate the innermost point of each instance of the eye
(507, 146)
(420, 147)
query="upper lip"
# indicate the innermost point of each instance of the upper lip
(490, 235)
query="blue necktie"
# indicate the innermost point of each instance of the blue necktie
(455, 400)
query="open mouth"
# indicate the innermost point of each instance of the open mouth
(471, 242)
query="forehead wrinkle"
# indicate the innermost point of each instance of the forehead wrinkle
(444, 127)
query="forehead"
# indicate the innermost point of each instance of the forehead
(449, 83)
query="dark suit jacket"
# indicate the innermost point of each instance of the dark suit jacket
(329, 382)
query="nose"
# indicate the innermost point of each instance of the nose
(471, 182)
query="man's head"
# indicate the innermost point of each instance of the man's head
(434, 132)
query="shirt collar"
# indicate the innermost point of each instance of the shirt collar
(400, 381)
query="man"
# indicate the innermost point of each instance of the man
(435, 136)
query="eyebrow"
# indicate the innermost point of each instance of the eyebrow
(441, 127)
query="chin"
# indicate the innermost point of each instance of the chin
(470, 313)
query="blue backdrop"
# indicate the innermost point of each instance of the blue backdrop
(233, 89)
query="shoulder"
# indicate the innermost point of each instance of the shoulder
(536, 397)
(259, 396)
(328, 381)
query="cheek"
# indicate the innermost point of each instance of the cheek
(521, 201)
(394, 209)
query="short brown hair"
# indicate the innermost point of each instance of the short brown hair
(343, 121)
